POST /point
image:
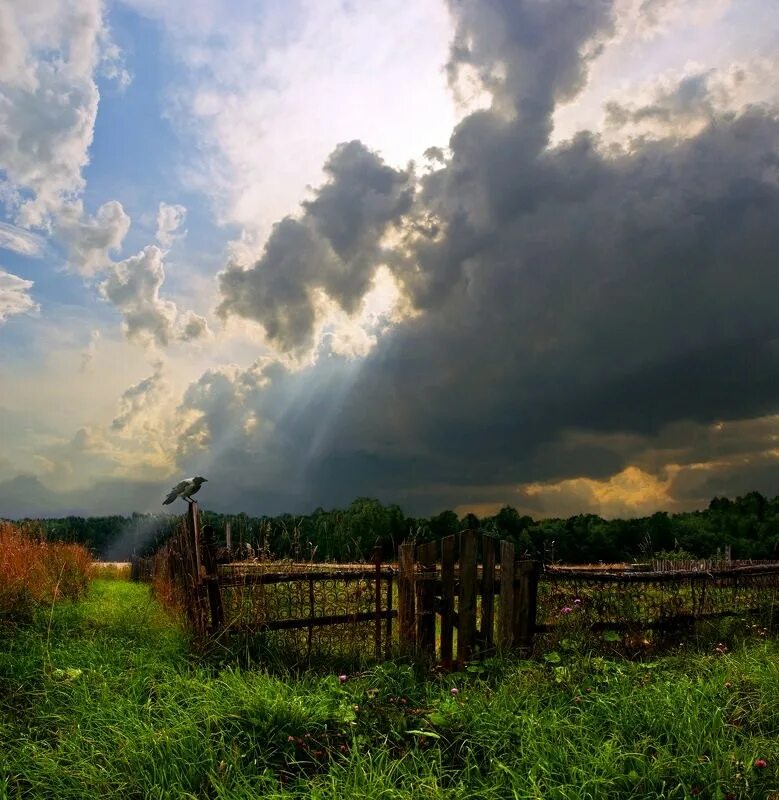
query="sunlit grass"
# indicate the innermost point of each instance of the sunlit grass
(104, 700)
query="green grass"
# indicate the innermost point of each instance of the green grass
(101, 698)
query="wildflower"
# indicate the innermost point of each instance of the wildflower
(355, 709)
(577, 602)
(343, 748)
(566, 610)
(760, 763)
(290, 738)
(728, 684)
(455, 691)
(343, 678)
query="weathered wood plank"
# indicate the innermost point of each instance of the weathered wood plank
(447, 600)
(506, 610)
(388, 630)
(407, 628)
(466, 632)
(525, 610)
(488, 591)
(427, 555)
(317, 622)
(377, 601)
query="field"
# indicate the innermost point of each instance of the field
(101, 698)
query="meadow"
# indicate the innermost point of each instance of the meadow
(102, 697)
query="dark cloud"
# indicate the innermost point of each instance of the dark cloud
(559, 289)
(335, 246)
(529, 55)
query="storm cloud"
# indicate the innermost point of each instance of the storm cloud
(569, 288)
(334, 246)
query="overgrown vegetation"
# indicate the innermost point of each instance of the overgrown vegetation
(34, 571)
(749, 524)
(103, 700)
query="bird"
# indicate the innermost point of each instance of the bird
(185, 489)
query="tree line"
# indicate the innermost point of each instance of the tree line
(749, 524)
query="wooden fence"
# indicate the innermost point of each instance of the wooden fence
(442, 588)
(458, 599)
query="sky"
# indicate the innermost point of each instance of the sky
(448, 254)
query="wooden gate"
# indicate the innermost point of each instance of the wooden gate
(442, 588)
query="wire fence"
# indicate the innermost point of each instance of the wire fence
(440, 602)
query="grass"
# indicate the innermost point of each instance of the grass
(101, 698)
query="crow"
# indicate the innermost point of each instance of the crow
(185, 489)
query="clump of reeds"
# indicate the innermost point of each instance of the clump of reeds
(34, 571)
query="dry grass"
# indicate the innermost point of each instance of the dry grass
(34, 571)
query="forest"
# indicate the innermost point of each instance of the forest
(749, 524)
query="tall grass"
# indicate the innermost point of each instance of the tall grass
(34, 571)
(108, 702)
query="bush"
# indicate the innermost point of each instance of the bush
(34, 571)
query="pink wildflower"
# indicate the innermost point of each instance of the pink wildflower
(455, 691)
(760, 763)
(566, 610)
(343, 678)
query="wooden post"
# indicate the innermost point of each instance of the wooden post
(526, 607)
(212, 580)
(406, 606)
(488, 591)
(229, 539)
(377, 634)
(427, 555)
(310, 635)
(447, 600)
(388, 628)
(466, 610)
(194, 528)
(506, 610)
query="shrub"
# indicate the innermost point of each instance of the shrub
(34, 571)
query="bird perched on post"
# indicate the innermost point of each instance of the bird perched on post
(185, 489)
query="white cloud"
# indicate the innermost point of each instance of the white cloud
(170, 218)
(133, 286)
(88, 355)
(49, 52)
(14, 296)
(89, 239)
(20, 240)
(268, 95)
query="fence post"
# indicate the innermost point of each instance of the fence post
(488, 591)
(406, 607)
(466, 611)
(427, 554)
(212, 580)
(526, 607)
(506, 610)
(194, 533)
(388, 624)
(447, 600)
(377, 593)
